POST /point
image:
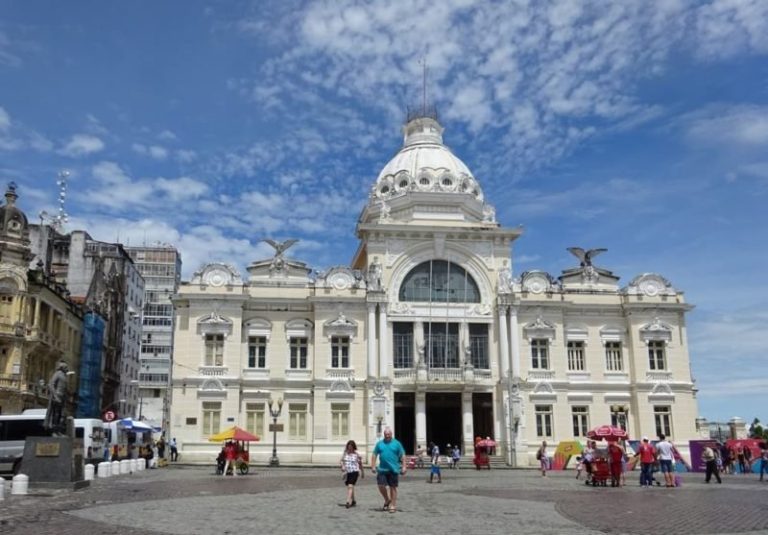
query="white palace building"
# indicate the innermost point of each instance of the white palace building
(427, 332)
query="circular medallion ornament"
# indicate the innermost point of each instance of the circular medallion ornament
(650, 287)
(341, 281)
(536, 284)
(378, 389)
(217, 277)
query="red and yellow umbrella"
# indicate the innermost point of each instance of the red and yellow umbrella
(234, 433)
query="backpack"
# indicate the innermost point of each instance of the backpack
(538, 455)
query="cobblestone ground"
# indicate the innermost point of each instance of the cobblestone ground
(191, 500)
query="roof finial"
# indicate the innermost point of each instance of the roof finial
(424, 85)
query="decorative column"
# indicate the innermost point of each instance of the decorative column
(421, 418)
(503, 342)
(468, 422)
(372, 340)
(383, 357)
(514, 342)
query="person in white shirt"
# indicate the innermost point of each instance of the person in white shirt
(666, 454)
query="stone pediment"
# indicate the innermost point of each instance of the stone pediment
(341, 326)
(539, 328)
(217, 274)
(340, 278)
(213, 323)
(650, 285)
(656, 330)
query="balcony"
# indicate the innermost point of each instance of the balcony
(404, 375)
(298, 374)
(212, 371)
(9, 382)
(445, 375)
(541, 375)
(256, 373)
(483, 375)
(343, 374)
(658, 376)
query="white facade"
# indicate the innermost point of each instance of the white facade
(426, 332)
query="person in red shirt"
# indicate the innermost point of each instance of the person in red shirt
(616, 458)
(647, 454)
(230, 454)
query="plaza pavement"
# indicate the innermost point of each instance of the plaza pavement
(192, 500)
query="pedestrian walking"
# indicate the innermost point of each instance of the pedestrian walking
(541, 456)
(647, 456)
(352, 467)
(174, 450)
(666, 455)
(455, 457)
(434, 468)
(390, 455)
(763, 459)
(710, 460)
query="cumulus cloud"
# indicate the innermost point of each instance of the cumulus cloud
(5, 119)
(157, 152)
(82, 145)
(739, 125)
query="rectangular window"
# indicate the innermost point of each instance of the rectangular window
(576, 357)
(544, 421)
(297, 420)
(657, 359)
(257, 352)
(214, 350)
(254, 418)
(340, 420)
(478, 345)
(580, 416)
(662, 414)
(619, 418)
(402, 344)
(540, 354)
(442, 340)
(613, 360)
(211, 417)
(298, 353)
(339, 352)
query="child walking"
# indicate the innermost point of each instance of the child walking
(352, 466)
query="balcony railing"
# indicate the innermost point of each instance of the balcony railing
(658, 376)
(482, 374)
(404, 374)
(9, 382)
(346, 374)
(447, 375)
(541, 375)
(212, 371)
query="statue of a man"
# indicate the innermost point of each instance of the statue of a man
(374, 275)
(57, 390)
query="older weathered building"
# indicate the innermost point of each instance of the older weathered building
(427, 331)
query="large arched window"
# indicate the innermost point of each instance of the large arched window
(441, 282)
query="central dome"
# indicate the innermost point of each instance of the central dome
(424, 164)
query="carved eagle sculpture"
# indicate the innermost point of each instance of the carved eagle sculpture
(585, 257)
(280, 247)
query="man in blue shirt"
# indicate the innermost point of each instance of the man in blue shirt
(389, 453)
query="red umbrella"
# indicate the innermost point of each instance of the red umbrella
(486, 443)
(608, 432)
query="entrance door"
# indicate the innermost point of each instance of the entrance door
(482, 414)
(405, 420)
(443, 419)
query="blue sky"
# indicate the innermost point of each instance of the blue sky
(641, 127)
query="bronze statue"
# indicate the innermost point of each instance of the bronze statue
(55, 422)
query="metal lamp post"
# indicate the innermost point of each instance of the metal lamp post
(275, 414)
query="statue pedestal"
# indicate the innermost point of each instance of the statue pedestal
(54, 462)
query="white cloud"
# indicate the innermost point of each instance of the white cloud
(153, 151)
(745, 126)
(167, 135)
(726, 28)
(5, 119)
(82, 145)
(182, 188)
(7, 57)
(185, 155)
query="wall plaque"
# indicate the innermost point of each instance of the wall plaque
(47, 449)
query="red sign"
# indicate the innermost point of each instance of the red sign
(109, 416)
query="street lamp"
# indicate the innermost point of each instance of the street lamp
(274, 413)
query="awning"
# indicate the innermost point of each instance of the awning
(134, 425)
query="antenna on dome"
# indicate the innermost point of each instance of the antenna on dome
(424, 110)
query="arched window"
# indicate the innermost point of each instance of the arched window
(439, 281)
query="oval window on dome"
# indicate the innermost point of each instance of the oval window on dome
(424, 181)
(447, 182)
(384, 190)
(403, 183)
(439, 281)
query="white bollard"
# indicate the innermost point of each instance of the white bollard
(104, 469)
(20, 484)
(115, 468)
(2, 489)
(125, 467)
(133, 466)
(88, 472)
(140, 464)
